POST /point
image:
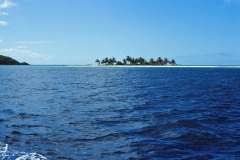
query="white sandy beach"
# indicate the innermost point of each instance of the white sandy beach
(144, 66)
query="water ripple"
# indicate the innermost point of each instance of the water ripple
(119, 113)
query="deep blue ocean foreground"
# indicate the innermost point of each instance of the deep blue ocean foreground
(50, 112)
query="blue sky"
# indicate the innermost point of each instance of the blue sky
(193, 32)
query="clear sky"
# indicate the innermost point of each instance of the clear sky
(193, 32)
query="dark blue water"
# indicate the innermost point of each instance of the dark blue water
(119, 113)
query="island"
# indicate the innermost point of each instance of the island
(4, 60)
(137, 61)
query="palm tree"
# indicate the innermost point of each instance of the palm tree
(165, 61)
(103, 61)
(124, 61)
(137, 61)
(159, 61)
(109, 61)
(97, 61)
(128, 59)
(141, 61)
(152, 62)
(113, 60)
(172, 62)
(106, 60)
(132, 61)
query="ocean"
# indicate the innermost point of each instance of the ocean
(62, 112)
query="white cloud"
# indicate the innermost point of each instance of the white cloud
(24, 53)
(4, 13)
(7, 4)
(3, 23)
(1, 41)
(30, 42)
(3, 5)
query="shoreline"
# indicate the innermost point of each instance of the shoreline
(128, 66)
(149, 66)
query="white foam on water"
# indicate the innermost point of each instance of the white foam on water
(7, 153)
(31, 156)
(3, 150)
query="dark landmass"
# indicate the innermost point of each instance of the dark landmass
(4, 60)
(137, 61)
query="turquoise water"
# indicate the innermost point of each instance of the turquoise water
(59, 112)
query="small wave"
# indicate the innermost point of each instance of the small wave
(32, 156)
(8, 111)
(6, 114)
(170, 134)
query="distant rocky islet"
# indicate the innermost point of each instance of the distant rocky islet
(4, 60)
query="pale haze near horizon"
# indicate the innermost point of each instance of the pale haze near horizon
(203, 32)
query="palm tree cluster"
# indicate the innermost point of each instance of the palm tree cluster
(136, 61)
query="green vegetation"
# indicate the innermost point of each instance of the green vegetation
(137, 61)
(4, 60)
